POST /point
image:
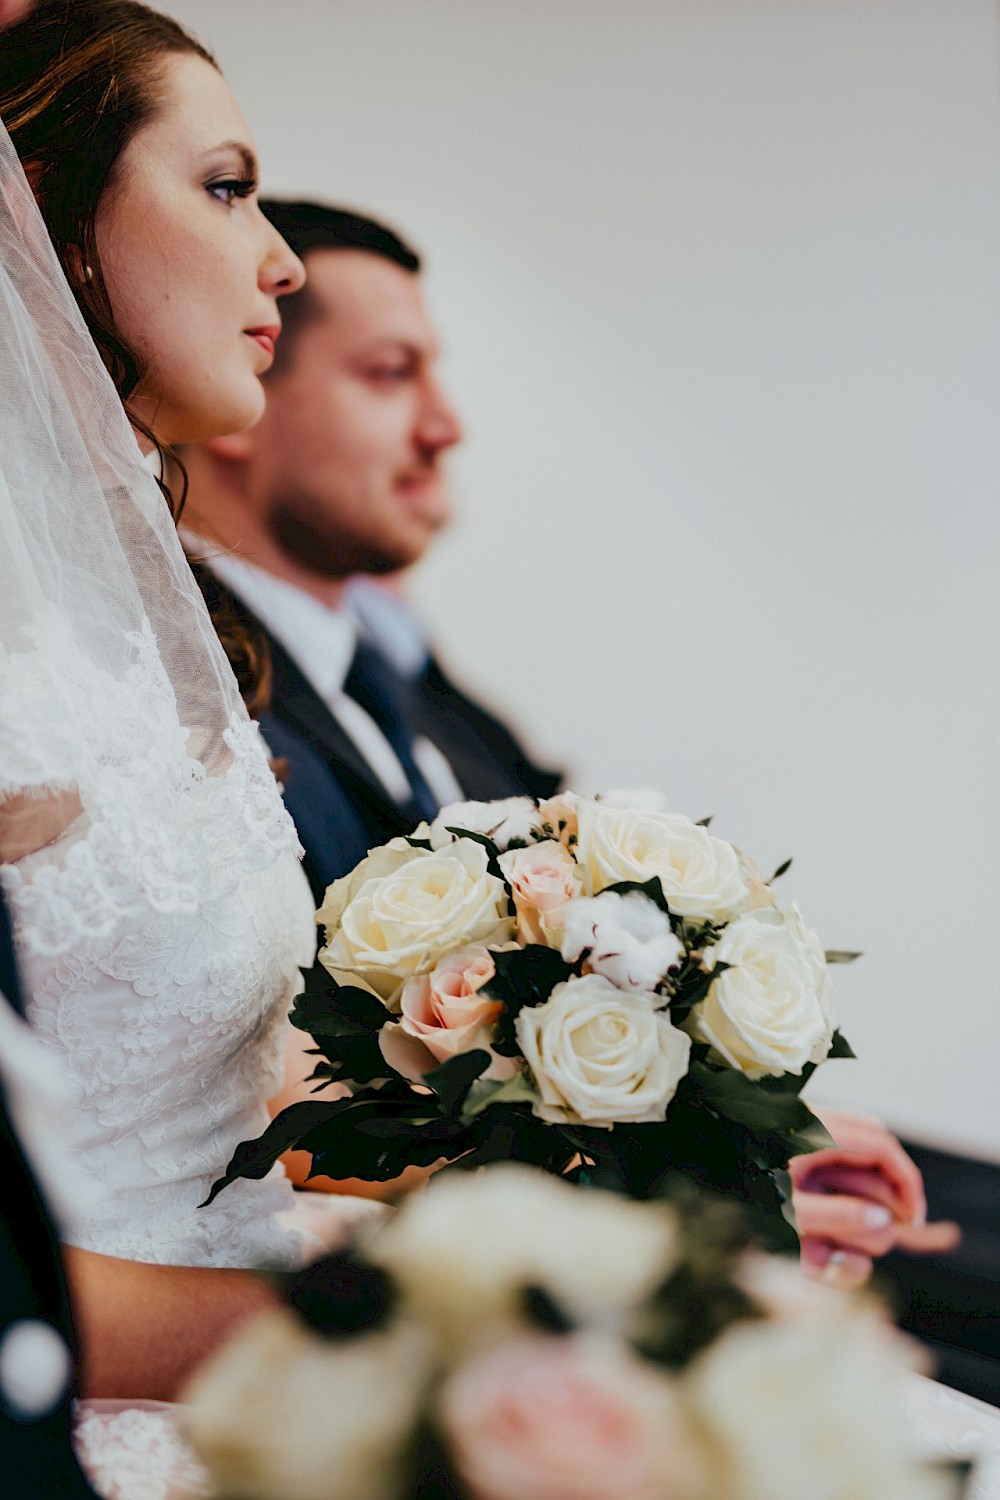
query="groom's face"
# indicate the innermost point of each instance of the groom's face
(351, 449)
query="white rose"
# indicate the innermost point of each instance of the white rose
(601, 1056)
(504, 821)
(807, 1407)
(544, 877)
(402, 908)
(771, 1012)
(700, 875)
(629, 939)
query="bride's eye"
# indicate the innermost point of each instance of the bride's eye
(228, 189)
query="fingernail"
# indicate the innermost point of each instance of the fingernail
(877, 1217)
(831, 1272)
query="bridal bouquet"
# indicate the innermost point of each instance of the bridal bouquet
(590, 985)
(506, 1337)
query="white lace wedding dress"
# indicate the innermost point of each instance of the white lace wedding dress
(168, 1008)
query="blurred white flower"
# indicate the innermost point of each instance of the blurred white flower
(281, 1412)
(812, 1406)
(464, 1250)
(629, 938)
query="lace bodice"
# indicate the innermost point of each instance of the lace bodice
(160, 938)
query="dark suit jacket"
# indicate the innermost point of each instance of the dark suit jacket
(35, 1456)
(337, 802)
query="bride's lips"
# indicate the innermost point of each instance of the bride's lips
(265, 337)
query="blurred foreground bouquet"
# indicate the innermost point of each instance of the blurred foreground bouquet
(506, 1337)
(590, 985)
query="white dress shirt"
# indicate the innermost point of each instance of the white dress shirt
(321, 641)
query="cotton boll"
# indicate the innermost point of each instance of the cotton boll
(628, 939)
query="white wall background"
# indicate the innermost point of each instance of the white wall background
(720, 286)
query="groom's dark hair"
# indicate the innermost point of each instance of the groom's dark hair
(319, 226)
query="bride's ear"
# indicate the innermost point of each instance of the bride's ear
(234, 448)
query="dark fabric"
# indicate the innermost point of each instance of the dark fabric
(488, 760)
(10, 984)
(384, 695)
(952, 1302)
(35, 1457)
(339, 806)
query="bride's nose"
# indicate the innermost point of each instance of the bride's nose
(281, 271)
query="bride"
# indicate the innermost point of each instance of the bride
(152, 870)
(151, 867)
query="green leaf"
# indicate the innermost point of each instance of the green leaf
(524, 976)
(651, 889)
(452, 1081)
(840, 1047)
(782, 869)
(256, 1158)
(492, 850)
(705, 822)
(482, 1095)
(841, 956)
(763, 1111)
(326, 1008)
(691, 986)
(418, 843)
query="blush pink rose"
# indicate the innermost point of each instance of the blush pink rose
(546, 1418)
(543, 878)
(444, 1014)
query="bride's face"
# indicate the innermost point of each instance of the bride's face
(193, 269)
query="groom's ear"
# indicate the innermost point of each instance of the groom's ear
(235, 447)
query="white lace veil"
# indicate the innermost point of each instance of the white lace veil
(117, 704)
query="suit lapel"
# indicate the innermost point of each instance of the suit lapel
(296, 703)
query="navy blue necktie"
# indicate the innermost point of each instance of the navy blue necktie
(382, 693)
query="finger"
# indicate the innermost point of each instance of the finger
(863, 1142)
(928, 1239)
(853, 1182)
(847, 1223)
(841, 1268)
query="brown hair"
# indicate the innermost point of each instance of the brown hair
(78, 79)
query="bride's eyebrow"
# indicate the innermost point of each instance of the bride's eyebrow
(251, 166)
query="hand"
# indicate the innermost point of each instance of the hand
(859, 1200)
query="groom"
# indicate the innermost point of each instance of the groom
(345, 474)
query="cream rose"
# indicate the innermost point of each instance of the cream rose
(700, 875)
(444, 1014)
(544, 877)
(543, 1418)
(627, 939)
(601, 1056)
(402, 908)
(771, 1012)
